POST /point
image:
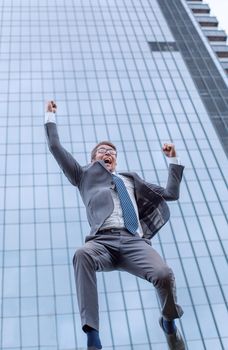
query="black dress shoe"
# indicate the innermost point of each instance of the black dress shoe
(174, 340)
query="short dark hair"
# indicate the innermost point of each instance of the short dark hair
(94, 150)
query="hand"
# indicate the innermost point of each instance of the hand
(51, 106)
(169, 150)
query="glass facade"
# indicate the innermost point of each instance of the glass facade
(97, 59)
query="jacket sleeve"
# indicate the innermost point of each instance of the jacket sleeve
(172, 190)
(70, 167)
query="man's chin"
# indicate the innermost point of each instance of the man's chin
(109, 167)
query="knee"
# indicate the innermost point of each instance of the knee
(164, 276)
(81, 255)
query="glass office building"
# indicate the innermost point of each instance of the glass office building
(139, 73)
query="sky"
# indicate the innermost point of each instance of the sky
(219, 9)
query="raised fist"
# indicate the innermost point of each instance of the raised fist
(51, 106)
(169, 150)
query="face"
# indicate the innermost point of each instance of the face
(104, 152)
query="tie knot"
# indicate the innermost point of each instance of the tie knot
(115, 177)
(118, 181)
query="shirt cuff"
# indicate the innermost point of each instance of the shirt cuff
(49, 118)
(174, 160)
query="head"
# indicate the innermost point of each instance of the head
(105, 151)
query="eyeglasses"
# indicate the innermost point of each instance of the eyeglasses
(103, 150)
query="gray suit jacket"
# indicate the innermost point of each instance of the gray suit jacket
(94, 182)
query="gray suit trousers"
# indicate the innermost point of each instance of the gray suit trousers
(120, 250)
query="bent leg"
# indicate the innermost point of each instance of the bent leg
(87, 260)
(141, 260)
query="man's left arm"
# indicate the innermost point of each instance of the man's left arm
(172, 190)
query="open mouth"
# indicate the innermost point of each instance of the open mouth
(108, 161)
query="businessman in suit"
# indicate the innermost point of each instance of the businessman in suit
(124, 213)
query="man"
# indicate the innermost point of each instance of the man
(124, 212)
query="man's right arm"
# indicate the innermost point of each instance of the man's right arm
(70, 167)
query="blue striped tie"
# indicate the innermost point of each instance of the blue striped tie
(129, 215)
